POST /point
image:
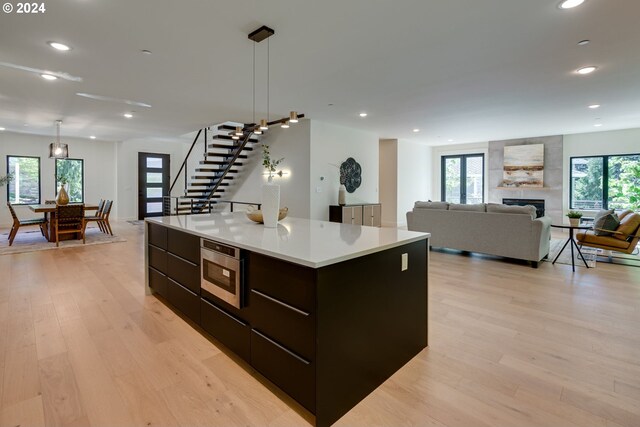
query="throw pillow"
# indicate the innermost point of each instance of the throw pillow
(432, 205)
(606, 225)
(510, 209)
(627, 226)
(469, 208)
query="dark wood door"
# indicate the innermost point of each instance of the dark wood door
(153, 183)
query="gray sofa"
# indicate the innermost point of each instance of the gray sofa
(508, 231)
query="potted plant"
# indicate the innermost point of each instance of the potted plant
(6, 179)
(270, 191)
(574, 218)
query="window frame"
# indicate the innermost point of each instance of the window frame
(55, 176)
(605, 177)
(39, 178)
(463, 174)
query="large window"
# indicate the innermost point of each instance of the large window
(605, 182)
(24, 189)
(72, 171)
(463, 179)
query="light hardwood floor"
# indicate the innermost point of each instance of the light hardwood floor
(81, 345)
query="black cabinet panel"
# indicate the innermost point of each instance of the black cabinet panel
(290, 327)
(157, 235)
(289, 283)
(184, 272)
(184, 300)
(158, 259)
(184, 245)
(224, 327)
(158, 282)
(293, 374)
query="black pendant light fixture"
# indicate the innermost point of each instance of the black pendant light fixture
(58, 150)
(263, 33)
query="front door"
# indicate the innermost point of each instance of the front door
(153, 183)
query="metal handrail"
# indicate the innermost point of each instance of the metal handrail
(184, 163)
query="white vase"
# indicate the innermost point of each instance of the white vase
(270, 204)
(342, 195)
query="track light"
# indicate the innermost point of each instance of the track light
(239, 131)
(285, 124)
(264, 125)
(235, 137)
(293, 117)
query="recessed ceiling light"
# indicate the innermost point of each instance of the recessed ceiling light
(92, 137)
(363, 114)
(146, 52)
(584, 42)
(570, 4)
(594, 106)
(450, 140)
(416, 130)
(587, 70)
(598, 125)
(128, 115)
(1, 129)
(59, 46)
(48, 77)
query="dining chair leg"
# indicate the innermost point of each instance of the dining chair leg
(109, 225)
(101, 226)
(12, 235)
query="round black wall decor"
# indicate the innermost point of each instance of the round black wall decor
(351, 174)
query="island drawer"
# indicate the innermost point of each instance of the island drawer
(289, 326)
(157, 235)
(158, 282)
(293, 374)
(184, 272)
(290, 283)
(230, 331)
(158, 259)
(184, 245)
(184, 300)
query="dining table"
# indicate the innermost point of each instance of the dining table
(49, 210)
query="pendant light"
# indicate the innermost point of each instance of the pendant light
(263, 33)
(57, 150)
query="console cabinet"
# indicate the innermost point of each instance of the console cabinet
(364, 214)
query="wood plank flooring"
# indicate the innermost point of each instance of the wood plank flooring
(82, 345)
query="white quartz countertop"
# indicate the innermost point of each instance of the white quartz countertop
(301, 241)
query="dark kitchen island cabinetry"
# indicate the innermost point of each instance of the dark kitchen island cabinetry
(328, 311)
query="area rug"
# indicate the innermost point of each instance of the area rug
(590, 254)
(32, 240)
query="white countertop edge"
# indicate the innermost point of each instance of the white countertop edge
(294, 260)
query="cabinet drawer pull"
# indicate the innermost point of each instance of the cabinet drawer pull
(184, 288)
(289, 352)
(223, 312)
(304, 313)
(186, 261)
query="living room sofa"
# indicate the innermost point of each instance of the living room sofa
(494, 229)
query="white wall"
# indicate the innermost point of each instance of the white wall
(591, 144)
(388, 181)
(99, 168)
(447, 150)
(330, 146)
(292, 144)
(413, 177)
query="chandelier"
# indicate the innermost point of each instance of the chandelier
(58, 150)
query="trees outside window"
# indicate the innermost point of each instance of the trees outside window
(605, 182)
(24, 188)
(71, 171)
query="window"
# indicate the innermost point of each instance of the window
(24, 189)
(604, 182)
(463, 179)
(73, 171)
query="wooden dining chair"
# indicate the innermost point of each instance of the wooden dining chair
(105, 217)
(98, 217)
(69, 219)
(17, 223)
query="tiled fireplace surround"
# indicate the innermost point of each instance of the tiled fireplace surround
(551, 193)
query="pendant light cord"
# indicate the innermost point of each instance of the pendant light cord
(254, 83)
(268, 69)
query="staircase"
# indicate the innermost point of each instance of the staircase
(209, 181)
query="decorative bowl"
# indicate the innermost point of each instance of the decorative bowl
(256, 215)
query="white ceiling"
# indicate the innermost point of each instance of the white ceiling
(466, 70)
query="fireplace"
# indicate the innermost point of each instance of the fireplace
(537, 203)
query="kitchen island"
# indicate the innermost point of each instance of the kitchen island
(325, 311)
